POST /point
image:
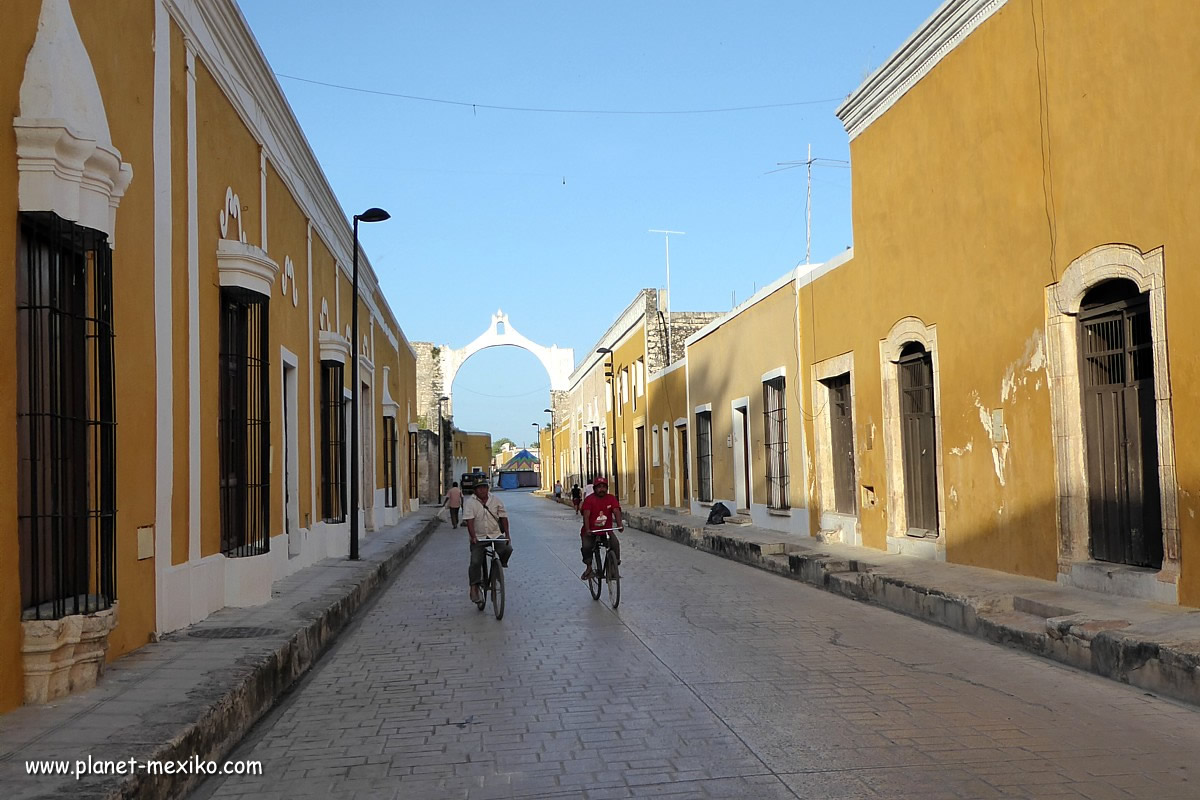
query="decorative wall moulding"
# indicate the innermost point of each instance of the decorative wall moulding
(66, 161)
(245, 265)
(287, 281)
(334, 347)
(232, 211)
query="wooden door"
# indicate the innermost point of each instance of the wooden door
(841, 435)
(685, 494)
(1119, 421)
(919, 440)
(641, 465)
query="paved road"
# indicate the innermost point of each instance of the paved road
(711, 680)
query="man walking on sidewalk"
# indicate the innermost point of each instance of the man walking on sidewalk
(454, 501)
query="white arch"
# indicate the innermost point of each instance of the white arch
(559, 362)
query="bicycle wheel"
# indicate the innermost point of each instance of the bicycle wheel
(596, 581)
(612, 577)
(497, 588)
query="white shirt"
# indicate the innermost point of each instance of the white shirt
(487, 526)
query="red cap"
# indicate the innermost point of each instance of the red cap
(600, 482)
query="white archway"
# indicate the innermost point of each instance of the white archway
(559, 362)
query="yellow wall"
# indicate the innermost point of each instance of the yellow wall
(20, 29)
(478, 450)
(951, 226)
(631, 413)
(668, 402)
(226, 157)
(287, 237)
(722, 369)
(125, 79)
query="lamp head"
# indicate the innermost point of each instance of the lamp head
(373, 215)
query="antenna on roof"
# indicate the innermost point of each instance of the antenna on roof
(808, 165)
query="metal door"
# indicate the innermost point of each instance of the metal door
(919, 441)
(1122, 444)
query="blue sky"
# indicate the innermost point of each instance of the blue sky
(546, 214)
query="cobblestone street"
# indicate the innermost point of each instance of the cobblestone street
(711, 680)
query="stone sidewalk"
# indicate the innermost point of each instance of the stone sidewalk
(1152, 646)
(196, 692)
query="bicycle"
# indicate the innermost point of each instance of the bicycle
(604, 570)
(493, 577)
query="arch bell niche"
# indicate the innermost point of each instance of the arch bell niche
(559, 362)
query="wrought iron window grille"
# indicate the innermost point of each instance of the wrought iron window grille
(776, 444)
(245, 424)
(66, 419)
(333, 445)
(704, 455)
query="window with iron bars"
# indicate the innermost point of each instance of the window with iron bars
(333, 444)
(704, 455)
(245, 425)
(389, 462)
(412, 465)
(66, 419)
(775, 443)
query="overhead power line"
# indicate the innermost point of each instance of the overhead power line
(536, 110)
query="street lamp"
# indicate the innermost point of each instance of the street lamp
(610, 372)
(441, 449)
(553, 458)
(370, 215)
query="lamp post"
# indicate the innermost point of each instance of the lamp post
(441, 449)
(611, 372)
(553, 458)
(370, 215)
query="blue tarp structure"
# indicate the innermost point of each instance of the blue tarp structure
(518, 472)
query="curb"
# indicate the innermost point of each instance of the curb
(1109, 648)
(224, 723)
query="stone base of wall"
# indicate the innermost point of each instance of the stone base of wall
(64, 655)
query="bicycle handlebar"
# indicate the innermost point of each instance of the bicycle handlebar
(606, 530)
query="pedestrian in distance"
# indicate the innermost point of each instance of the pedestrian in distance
(558, 490)
(576, 497)
(453, 502)
(486, 518)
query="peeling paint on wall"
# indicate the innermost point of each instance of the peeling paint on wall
(1032, 360)
(999, 448)
(962, 451)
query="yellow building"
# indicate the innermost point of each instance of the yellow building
(611, 428)
(997, 362)
(161, 195)
(746, 411)
(472, 452)
(667, 407)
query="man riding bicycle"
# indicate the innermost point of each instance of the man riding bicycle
(601, 511)
(485, 518)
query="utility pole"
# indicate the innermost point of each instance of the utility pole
(667, 239)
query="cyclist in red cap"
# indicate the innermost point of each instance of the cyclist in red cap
(601, 511)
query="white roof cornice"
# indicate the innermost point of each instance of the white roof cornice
(950, 24)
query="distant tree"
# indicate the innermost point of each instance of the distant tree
(498, 445)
